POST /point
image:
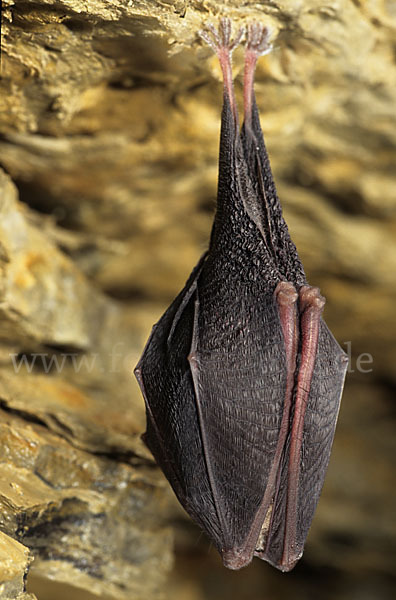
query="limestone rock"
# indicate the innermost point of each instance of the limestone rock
(89, 520)
(14, 561)
(84, 499)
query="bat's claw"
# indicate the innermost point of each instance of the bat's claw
(258, 39)
(220, 39)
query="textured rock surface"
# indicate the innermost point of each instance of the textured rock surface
(109, 120)
(89, 521)
(77, 486)
(14, 562)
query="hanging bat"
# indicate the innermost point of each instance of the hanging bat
(241, 377)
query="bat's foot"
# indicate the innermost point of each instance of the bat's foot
(220, 39)
(257, 44)
(257, 40)
(223, 44)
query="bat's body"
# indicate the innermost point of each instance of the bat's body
(242, 378)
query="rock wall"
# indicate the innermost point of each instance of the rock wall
(109, 122)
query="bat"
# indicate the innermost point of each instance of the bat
(241, 377)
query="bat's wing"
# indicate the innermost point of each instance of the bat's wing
(214, 403)
(239, 394)
(173, 430)
(164, 376)
(318, 433)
